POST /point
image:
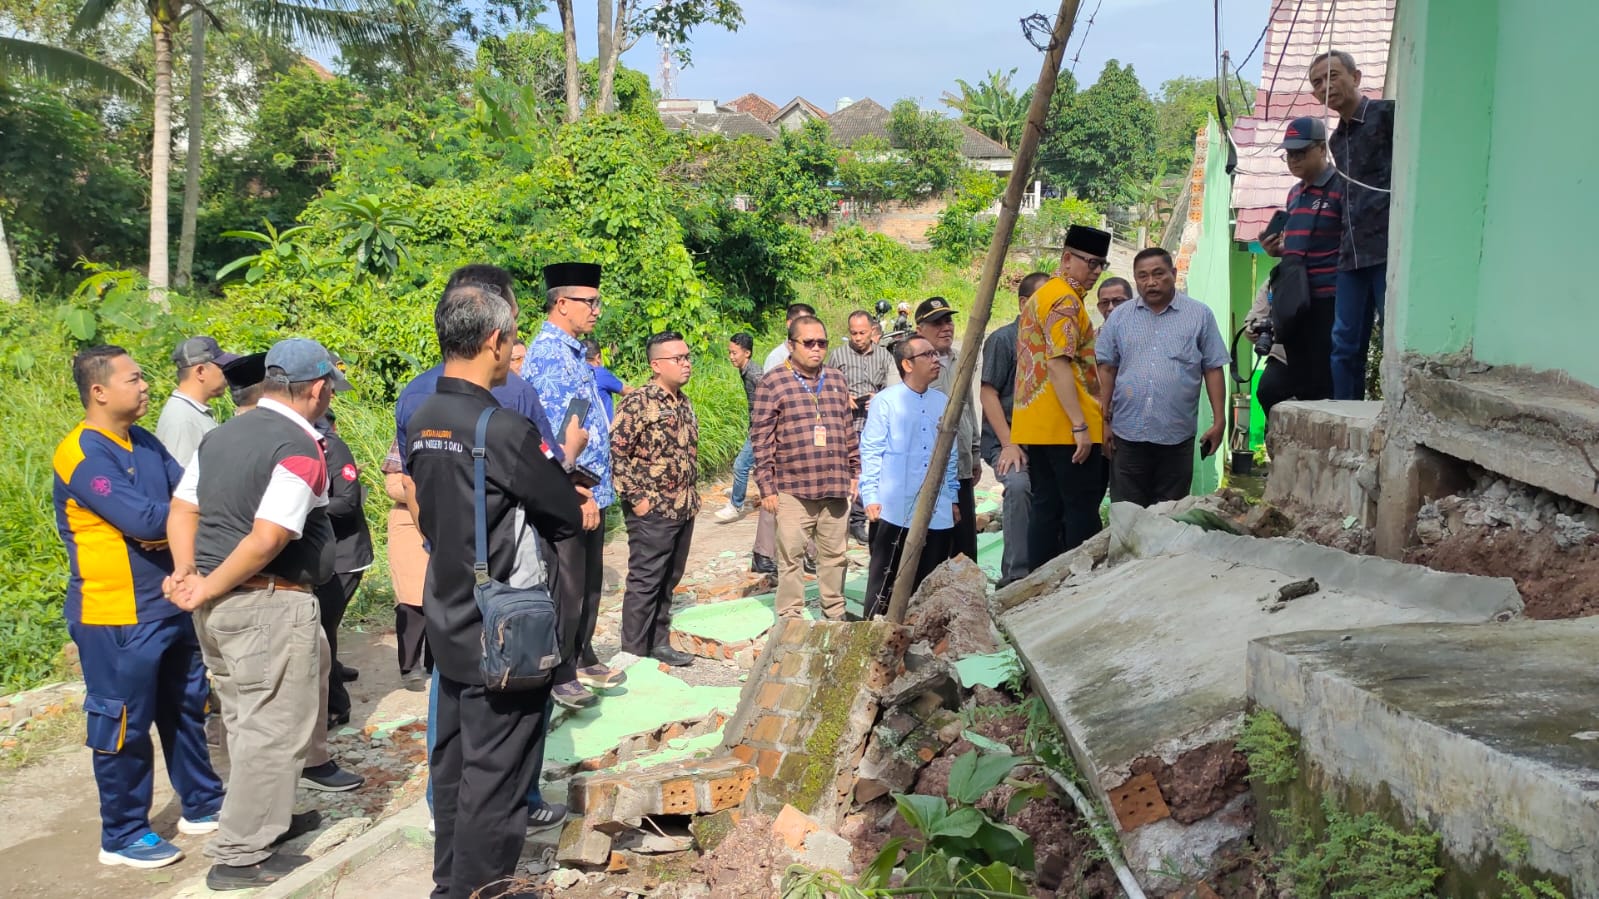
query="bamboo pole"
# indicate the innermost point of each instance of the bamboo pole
(977, 318)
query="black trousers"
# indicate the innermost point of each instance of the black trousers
(657, 553)
(332, 598)
(963, 539)
(485, 748)
(1150, 473)
(1307, 375)
(576, 579)
(410, 631)
(1066, 498)
(888, 544)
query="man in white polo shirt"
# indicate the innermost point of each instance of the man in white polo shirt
(187, 417)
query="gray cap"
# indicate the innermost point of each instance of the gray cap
(200, 350)
(303, 359)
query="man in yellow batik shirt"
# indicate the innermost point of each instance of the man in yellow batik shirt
(1057, 417)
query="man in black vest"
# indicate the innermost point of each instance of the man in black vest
(485, 742)
(250, 538)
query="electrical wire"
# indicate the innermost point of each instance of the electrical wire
(1270, 17)
(1084, 39)
(1332, 27)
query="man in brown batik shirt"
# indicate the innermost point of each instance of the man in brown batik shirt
(655, 465)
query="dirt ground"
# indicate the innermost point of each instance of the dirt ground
(1554, 582)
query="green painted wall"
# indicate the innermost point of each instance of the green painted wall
(1492, 184)
(1535, 308)
(1446, 62)
(1209, 278)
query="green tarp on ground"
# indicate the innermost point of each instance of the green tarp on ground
(648, 700)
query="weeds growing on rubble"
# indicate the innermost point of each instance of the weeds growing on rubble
(1358, 857)
(1270, 747)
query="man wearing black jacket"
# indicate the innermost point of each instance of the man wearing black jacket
(485, 743)
(352, 556)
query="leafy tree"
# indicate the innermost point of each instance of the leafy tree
(269, 16)
(963, 229)
(1180, 112)
(1104, 140)
(869, 170)
(930, 145)
(793, 184)
(623, 22)
(992, 107)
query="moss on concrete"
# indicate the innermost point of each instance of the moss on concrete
(836, 692)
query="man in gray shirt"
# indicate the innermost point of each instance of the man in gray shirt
(187, 415)
(867, 369)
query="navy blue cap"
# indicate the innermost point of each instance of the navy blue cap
(1302, 132)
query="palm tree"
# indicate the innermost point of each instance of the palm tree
(327, 20)
(33, 61)
(992, 106)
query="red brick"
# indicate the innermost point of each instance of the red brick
(767, 762)
(792, 826)
(744, 753)
(794, 733)
(729, 792)
(677, 797)
(793, 665)
(769, 729)
(769, 695)
(794, 698)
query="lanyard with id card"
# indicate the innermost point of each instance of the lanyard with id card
(819, 432)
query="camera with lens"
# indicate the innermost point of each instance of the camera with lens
(1265, 336)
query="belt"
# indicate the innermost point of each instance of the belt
(271, 582)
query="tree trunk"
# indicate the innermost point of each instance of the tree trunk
(977, 318)
(10, 291)
(574, 83)
(191, 174)
(160, 158)
(610, 41)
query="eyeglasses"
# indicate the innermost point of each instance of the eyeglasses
(914, 356)
(680, 359)
(815, 343)
(1094, 262)
(591, 302)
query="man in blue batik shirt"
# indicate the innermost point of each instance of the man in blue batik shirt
(556, 367)
(896, 447)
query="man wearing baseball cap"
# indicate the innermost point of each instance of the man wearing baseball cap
(935, 321)
(250, 539)
(187, 417)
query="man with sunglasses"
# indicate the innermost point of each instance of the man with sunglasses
(1112, 293)
(1057, 416)
(655, 446)
(807, 460)
(557, 368)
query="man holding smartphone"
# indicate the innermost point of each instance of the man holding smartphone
(1152, 358)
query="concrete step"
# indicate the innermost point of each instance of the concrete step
(1482, 732)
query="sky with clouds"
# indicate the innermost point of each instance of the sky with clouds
(888, 49)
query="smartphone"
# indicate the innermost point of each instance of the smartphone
(584, 477)
(1279, 221)
(1206, 450)
(579, 409)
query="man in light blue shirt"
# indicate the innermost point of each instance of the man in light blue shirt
(896, 447)
(556, 367)
(1153, 354)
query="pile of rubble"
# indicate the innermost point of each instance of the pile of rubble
(835, 719)
(1494, 502)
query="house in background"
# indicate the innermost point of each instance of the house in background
(795, 113)
(755, 105)
(868, 118)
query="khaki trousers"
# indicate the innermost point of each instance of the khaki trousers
(827, 522)
(268, 659)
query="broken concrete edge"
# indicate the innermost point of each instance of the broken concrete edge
(1140, 533)
(1494, 807)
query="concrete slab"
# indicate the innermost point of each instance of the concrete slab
(1407, 711)
(650, 699)
(1143, 661)
(1323, 458)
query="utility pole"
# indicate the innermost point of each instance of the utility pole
(977, 318)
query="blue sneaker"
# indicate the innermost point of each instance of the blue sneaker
(148, 851)
(198, 825)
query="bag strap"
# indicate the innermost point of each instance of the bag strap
(480, 513)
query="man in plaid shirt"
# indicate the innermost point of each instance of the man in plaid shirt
(807, 460)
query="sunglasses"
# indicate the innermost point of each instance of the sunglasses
(591, 302)
(1094, 262)
(815, 343)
